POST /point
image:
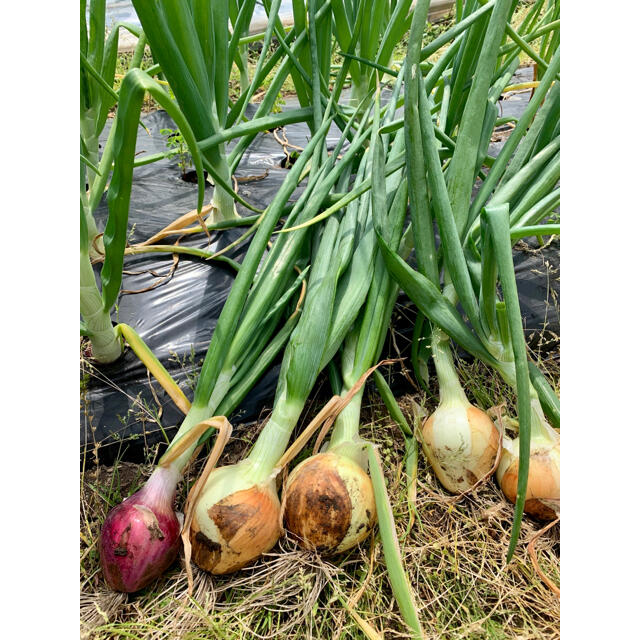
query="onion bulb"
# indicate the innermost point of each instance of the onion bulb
(329, 504)
(140, 538)
(235, 520)
(461, 443)
(542, 499)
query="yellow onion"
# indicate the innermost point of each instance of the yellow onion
(542, 499)
(235, 520)
(461, 443)
(329, 504)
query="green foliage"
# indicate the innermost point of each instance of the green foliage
(176, 142)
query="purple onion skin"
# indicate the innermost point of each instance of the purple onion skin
(140, 538)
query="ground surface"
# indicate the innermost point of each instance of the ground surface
(454, 553)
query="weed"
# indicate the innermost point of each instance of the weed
(176, 142)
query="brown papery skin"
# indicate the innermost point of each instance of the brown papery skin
(329, 504)
(543, 486)
(248, 523)
(455, 471)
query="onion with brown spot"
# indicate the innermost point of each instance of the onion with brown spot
(329, 504)
(235, 520)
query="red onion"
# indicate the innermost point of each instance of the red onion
(140, 537)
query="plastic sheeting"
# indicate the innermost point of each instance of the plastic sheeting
(174, 308)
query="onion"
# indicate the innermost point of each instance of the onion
(461, 443)
(140, 537)
(235, 521)
(329, 504)
(542, 499)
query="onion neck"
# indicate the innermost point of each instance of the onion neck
(347, 423)
(96, 244)
(159, 491)
(273, 439)
(195, 416)
(359, 88)
(345, 439)
(541, 431)
(540, 428)
(244, 70)
(451, 391)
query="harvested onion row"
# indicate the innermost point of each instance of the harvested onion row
(231, 367)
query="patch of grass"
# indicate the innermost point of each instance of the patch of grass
(122, 66)
(518, 17)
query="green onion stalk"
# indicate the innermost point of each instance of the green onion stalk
(241, 56)
(337, 478)
(140, 537)
(537, 447)
(98, 58)
(525, 180)
(105, 345)
(459, 440)
(99, 294)
(368, 33)
(328, 500)
(194, 46)
(332, 499)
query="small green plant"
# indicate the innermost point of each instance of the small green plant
(176, 142)
(279, 103)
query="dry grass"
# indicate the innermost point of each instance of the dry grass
(455, 557)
